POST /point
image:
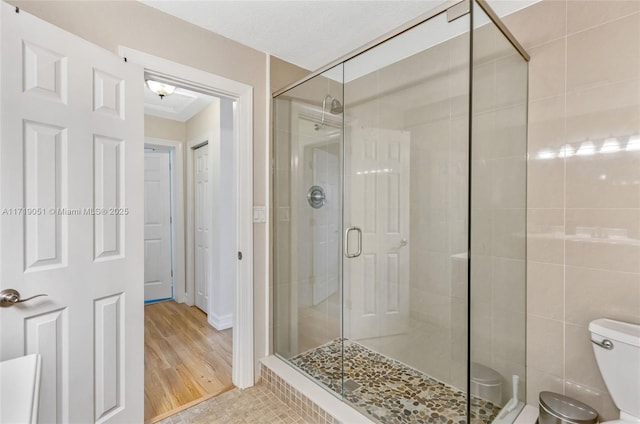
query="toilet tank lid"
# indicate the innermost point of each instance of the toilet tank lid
(616, 330)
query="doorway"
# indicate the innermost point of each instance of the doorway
(93, 229)
(188, 358)
(243, 357)
(158, 223)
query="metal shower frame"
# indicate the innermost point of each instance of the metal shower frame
(406, 27)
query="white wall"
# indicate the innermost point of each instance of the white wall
(205, 123)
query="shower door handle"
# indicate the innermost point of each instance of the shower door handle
(346, 242)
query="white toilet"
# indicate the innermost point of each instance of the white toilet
(617, 348)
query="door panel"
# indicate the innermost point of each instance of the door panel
(46, 334)
(325, 222)
(202, 210)
(108, 330)
(157, 226)
(45, 151)
(377, 201)
(108, 189)
(71, 201)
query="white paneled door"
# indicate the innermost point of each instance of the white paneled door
(202, 219)
(377, 203)
(325, 223)
(157, 226)
(71, 202)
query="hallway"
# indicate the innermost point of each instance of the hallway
(186, 360)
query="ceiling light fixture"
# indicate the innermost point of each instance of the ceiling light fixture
(160, 88)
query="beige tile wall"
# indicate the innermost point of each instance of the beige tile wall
(426, 97)
(584, 209)
(583, 229)
(498, 209)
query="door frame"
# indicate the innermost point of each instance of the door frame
(243, 369)
(176, 155)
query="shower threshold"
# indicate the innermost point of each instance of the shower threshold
(386, 390)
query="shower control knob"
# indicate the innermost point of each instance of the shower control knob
(316, 197)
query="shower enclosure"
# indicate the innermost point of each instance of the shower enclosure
(399, 222)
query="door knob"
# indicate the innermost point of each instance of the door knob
(9, 297)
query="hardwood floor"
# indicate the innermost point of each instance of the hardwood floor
(186, 359)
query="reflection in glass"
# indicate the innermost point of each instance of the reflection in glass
(308, 221)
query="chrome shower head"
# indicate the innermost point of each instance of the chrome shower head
(335, 108)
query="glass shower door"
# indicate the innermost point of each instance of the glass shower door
(308, 146)
(397, 285)
(498, 223)
(405, 224)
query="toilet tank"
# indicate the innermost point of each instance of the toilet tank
(620, 364)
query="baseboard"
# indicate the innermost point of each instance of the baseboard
(220, 322)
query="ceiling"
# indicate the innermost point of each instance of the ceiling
(181, 106)
(309, 33)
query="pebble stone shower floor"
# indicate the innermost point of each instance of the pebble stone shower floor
(387, 390)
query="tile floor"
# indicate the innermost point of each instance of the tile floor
(387, 390)
(256, 405)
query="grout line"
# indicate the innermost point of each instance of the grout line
(619, 18)
(564, 265)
